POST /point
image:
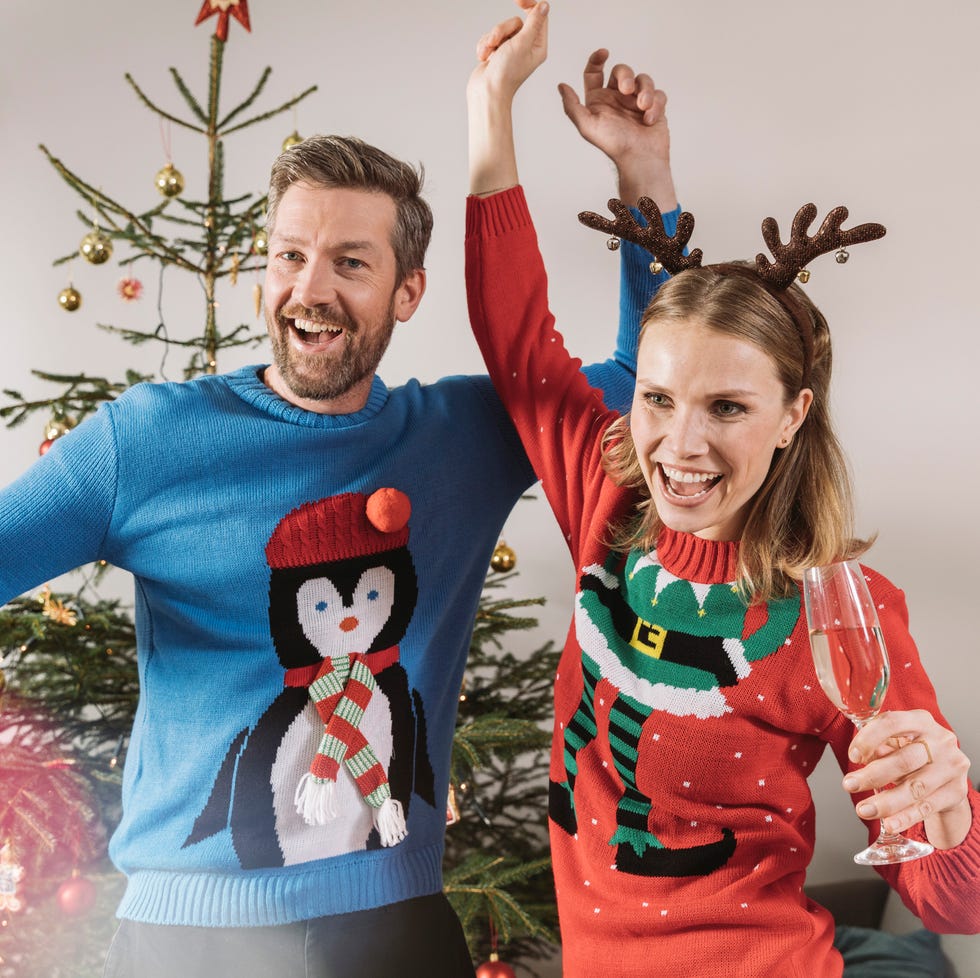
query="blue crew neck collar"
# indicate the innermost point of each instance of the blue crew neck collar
(248, 384)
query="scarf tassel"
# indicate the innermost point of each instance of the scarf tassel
(389, 820)
(314, 801)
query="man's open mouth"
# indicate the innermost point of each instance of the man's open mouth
(316, 334)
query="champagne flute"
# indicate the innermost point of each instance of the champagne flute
(852, 666)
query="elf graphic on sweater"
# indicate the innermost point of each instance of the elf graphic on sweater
(331, 765)
(652, 642)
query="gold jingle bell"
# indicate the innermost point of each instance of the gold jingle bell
(804, 275)
(58, 426)
(260, 243)
(169, 181)
(293, 139)
(503, 558)
(69, 299)
(96, 247)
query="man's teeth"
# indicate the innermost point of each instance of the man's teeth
(676, 475)
(307, 327)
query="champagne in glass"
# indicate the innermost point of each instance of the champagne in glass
(852, 665)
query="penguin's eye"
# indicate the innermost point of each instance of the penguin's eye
(372, 595)
(321, 606)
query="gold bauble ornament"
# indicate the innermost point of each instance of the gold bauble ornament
(293, 139)
(58, 426)
(96, 247)
(69, 299)
(260, 243)
(503, 559)
(169, 181)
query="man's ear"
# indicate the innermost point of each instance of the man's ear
(409, 294)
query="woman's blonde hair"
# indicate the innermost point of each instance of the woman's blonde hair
(803, 513)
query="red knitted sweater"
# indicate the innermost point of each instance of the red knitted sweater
(686, 726)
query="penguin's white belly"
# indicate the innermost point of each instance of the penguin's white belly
(349, 830)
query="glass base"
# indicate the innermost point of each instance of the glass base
(892, 849)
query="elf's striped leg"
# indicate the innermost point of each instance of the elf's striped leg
(578, 732)
(633, 810)
(638, 850)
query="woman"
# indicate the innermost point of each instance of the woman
(688, 714)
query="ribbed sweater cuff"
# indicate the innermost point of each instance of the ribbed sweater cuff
(497, 214)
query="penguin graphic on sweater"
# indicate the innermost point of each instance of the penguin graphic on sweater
(331, 765)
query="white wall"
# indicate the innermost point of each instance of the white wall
(772, 103)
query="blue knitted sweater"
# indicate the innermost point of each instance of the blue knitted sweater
(184, 486)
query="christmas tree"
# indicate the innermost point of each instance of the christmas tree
(68, 659)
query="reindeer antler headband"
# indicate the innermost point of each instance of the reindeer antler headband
(790, 261)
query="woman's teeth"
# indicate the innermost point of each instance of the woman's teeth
(675, 475)
(688, 484)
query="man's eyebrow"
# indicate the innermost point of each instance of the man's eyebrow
(351, 245)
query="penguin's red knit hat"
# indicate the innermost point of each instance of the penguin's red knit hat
(352, 524)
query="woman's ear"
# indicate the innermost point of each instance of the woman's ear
(796, 415)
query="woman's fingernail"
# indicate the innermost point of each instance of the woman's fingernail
(867, 809)
(850, 783)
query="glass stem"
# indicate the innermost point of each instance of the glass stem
(884, 838)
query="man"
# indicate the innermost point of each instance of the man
(309, 548)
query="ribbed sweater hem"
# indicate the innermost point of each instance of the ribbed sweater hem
(257, 900)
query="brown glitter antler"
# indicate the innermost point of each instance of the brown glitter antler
(793, 257)
(667, 249)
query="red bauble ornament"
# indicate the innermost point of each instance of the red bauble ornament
(45, 445)
(76, 896)
(495, 968)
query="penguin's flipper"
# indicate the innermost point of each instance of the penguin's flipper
(425, 780)
(214, 816)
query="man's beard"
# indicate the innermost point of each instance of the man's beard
(322, 377)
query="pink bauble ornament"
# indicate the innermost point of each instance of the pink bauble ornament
(76, 896)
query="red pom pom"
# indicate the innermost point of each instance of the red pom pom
(388, 510)
(495, 969)
(76, 896)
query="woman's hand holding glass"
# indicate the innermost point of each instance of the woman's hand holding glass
(919, 773)
(852, 665)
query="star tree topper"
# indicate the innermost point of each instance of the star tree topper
(223, 8)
